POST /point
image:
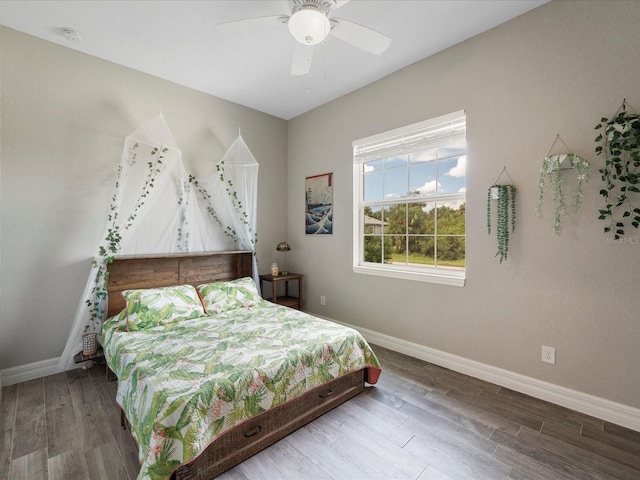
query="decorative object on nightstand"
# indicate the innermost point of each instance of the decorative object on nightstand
(91, 349)
(282, 247)
(287, 299)
(89, 343)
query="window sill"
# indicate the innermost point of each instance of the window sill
(453, 278)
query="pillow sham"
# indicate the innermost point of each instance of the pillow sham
(219, 297)
(159, 306)
(119, 322)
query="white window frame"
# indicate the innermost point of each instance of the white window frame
(439, 131)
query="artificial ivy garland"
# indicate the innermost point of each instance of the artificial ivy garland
(551, 172)
(620, 139)
(505, 216)
(96, 302)
(237, 204)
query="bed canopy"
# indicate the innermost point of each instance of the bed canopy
(158, 208)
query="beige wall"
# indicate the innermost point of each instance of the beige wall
(555, 70)
(64, 117)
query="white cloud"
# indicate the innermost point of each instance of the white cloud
(368, 168)
(460, 170)
(429, 187)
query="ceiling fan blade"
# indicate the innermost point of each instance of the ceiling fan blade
(247, 24)
(360, 36)
(301, 63)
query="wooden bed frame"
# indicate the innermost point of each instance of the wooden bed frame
(257, 433)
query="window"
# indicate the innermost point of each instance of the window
(409, 201)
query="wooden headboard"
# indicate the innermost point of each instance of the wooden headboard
(172, 269)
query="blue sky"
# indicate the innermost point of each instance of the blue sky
(430, 172)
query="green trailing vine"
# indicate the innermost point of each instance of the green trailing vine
(98, 296)
(236, 202)
(505, 216)
(183, 202)
(620, 142)
(551, 177)
(206, 196)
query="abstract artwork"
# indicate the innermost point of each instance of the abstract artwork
(319, 204)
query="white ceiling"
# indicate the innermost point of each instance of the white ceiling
(177, 40)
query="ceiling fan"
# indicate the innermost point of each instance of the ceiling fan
(309, 24)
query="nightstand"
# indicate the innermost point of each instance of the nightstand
(287, 300)
(97, 357)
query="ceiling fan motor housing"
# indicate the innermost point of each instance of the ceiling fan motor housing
(323, 5)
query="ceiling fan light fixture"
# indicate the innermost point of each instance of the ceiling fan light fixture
(309, 26)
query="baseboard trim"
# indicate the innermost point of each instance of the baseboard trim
(601, 408)
(31, 371)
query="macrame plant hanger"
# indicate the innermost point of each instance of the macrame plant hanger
(505, 196)
(503, 172)
(624, 107)
(563, 159)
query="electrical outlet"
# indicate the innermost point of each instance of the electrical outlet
(549, 355)
(322, 300)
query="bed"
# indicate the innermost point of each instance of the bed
(202, 393)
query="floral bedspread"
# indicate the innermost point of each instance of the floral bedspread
(183, 384)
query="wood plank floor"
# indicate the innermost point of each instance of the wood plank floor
(419, 422)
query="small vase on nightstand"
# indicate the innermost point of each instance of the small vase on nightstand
(89, 343)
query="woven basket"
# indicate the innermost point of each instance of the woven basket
(89, 343)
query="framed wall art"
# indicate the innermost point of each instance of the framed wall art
(319, 204)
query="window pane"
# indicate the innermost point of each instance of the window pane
(373, 249)
(421, 218)
(421, 250)
(422, 178)
(451, 218)
(395, 182)
(373, 180)
(372, 221)
(451, 251)
(395, 249)
(452, 175)
(395, 218)
(373, 166)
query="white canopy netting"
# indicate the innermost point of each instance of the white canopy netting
(158, 208)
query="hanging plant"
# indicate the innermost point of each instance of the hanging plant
(505, 197)
(551, 177)
(620, 143)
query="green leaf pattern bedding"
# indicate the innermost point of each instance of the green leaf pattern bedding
(182, 384)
